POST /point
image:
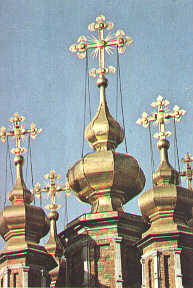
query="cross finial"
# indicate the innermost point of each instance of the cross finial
(53, 246)
(188, 173)
(161, 117)
(52, 188)
(101, 44)
(18, 132)
(165, 174)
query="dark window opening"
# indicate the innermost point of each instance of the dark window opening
(150, 273)
(166, 271)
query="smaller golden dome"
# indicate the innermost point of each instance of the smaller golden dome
(165, 174)
(167, 208)
(104, 132)
(19, 192)
(29, 223)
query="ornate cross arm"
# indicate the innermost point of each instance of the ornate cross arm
(94, 72)
(18, 132)
(117, 39)
(161, 117)
(188, 173)
(52, 188)
(101, 44)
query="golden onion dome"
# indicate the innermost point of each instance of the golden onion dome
(106, 180)
(165, 174)
(29, 223)
(104, 132)
(167, 201)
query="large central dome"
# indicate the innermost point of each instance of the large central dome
(106, 179)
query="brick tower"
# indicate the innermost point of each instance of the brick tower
(101, 245)
(168, 244)
(23, 262)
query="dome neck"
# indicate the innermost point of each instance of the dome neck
(19, 161)
(102, 84)
(103, 133)
(163, 145)
(103, 95)
(20, 193)
(165, 174)
(54, 246)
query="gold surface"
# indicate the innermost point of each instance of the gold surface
(18, 132)
(53, 246)
(165, 174)
(161, 117)
(104, 132)
(106, 180)
(167, 206)
(52, 188)
(168, 209)
(22, 225)
(101, 45)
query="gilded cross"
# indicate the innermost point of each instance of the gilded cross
(161, 117)
(101, 44)
(18, 132)
(52, 188)
(188, 173)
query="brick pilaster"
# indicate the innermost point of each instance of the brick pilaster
(25, 272)
(156, 266)
(178, 268)
(118, 263)
(6, 278)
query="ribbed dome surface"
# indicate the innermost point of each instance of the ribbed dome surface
(104, 132)
(22, 224)
(106, 180)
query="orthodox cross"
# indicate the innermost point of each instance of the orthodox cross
(101, 44)
(52, 188)
(188, 173)
(18, 132)
(161, 117)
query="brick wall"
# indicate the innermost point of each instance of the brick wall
(111, 257)
(76, 269)
(187, 264)
(104, 264)
(166, 271)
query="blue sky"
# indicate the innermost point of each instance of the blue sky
(42, 80)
